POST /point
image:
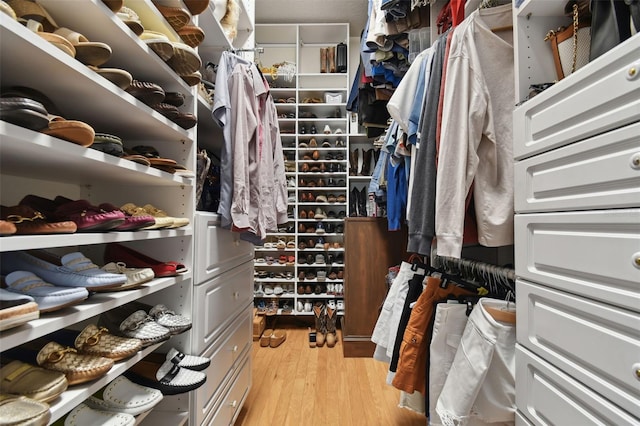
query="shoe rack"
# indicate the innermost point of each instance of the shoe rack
(314, 128)
(34, 163)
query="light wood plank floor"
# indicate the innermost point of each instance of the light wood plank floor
(297, 385)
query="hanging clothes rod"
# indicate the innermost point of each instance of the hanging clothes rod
(254, 49)
(471, 265)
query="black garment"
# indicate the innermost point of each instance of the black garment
(415, 289)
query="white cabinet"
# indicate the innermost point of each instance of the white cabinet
(223, 296)
(577, 231)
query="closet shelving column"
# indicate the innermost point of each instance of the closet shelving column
(303, 107)
(576, 231)
(223, 264)
(63, 168)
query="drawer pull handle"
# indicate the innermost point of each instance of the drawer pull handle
(636, 370)
(635, 161)
(636, 260)
(233, 404)
(234, 349)
(236, 294)
(632, 72)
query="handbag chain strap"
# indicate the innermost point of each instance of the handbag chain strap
(575, 38)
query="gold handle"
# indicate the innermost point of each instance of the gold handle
(632, 71)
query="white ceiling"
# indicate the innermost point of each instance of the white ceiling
(353, 12)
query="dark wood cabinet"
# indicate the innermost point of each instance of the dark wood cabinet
(370, 249)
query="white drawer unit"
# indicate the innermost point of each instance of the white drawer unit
(228, 409)
(218, 301)
(600, 172)
(217, 249)
(597, 344)
(595, 254)
(224, 353)
(552, 398)
(600, 97)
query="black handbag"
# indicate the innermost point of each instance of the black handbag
(611, 23)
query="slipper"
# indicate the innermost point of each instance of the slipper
(137, 159)
(185, 59)
(74, 131)
(55, 39)
(175, 16)
(149, 93)
(114, 5)
(120, 78)
(168, 110)
(186, 120)
(87, 52)
(191, 35)
(24, 112)
(5, 8)
(131, 20)
(174, 98)
(109, 144)
(27, 10)
(196, 7)
(159, 43)
(193, 78)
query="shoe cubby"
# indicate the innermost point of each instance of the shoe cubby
(33, 162)
(314, 129)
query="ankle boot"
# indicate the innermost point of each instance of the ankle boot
(323, 59)
(330, 326)
(367, 156)
(321, 323)
(353, 163)
(353, 202)
(363, 197)
(331, 58)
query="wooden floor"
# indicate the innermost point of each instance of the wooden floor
(297, 385)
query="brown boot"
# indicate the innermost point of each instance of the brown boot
(323, 59)
(353, 163)
(321, 323)
(367, 156)
(331, 56)
(330, 324)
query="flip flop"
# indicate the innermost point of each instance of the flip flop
(185, 60)
(120, 78)
(74, 131)
(87, 52)
(175, 16)
(159, 43)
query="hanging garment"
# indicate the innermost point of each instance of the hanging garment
(480, 386)
(422, 213)
(479, 91)
(448, 327)
(259, 201)
(386, 328)
(221, 115)
(414, 351)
